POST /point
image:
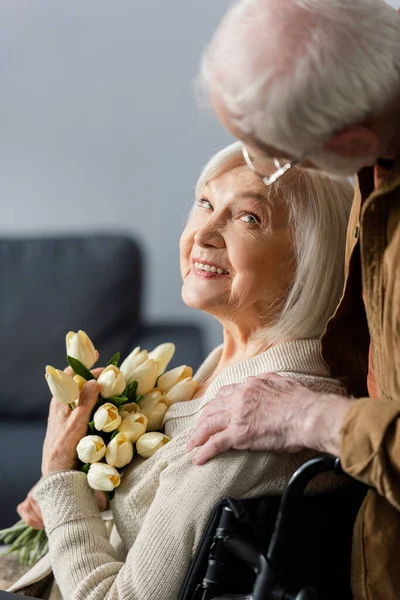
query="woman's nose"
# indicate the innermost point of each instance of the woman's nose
(209, 235)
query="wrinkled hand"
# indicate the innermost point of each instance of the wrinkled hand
(268, 413)
(30, 512)
(66, 427)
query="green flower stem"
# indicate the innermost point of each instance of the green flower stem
(19, 526)
(21, 539)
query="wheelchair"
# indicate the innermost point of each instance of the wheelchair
(293, 547)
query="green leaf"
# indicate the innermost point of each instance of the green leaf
(118, 400)
(86, 468)
(114, 360)
(138, 399)
(130, 391)
(91, 428)
(110, 495)
(79, 369)
(114, 433)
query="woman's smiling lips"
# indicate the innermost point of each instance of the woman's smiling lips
(207, 270)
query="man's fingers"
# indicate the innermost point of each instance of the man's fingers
(218, 443)
(208, 426)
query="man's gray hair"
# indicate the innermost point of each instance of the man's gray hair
(319, 207)
(294, 72)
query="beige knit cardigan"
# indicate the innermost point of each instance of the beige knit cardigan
(163, 504)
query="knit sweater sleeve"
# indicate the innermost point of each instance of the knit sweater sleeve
(85, 564)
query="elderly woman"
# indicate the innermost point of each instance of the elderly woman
(267, 262)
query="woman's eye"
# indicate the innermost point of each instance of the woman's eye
(203, 203)
(249, 218)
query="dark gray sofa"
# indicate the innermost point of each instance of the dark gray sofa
(50, 286)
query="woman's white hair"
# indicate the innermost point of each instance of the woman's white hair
(319, 207)
(294, 72)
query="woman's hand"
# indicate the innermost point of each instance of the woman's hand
(66, 427)
(30, 513)
(269, 413)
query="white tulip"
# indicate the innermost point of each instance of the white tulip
(149, 443)
(80, 346)
(182, 391)
(112, 382)
(62, 386)
(91, 449)
(153, 394)
(171, 378)
(80, 381)
(103, 477)
(146, 376)
(154, 406)
(132, 362)
(130, 408)
(119, 451)
(133, 426)
(162, 354)
(106, 418)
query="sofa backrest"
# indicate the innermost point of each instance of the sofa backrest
(50, 286)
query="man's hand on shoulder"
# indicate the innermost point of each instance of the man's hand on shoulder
(269, 413)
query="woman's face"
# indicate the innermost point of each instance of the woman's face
(236, 251)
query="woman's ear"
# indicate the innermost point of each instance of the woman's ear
(354, 141)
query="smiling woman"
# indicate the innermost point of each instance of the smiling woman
(281, 246)
(267, 262)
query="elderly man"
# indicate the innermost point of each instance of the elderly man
(317, 84)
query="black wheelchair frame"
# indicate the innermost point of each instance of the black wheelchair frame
(291, 548)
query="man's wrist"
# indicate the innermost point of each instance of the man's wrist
(322, 422)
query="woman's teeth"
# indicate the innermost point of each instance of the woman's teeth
(203, 267)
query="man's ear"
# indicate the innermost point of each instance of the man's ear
(354, 141)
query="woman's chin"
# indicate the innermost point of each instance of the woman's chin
(195, 299)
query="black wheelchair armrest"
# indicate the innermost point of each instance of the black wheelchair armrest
(271, 548)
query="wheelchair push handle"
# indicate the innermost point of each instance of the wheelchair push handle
(267, 567)
(295, 488)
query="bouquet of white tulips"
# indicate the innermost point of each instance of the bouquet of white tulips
(127, 418)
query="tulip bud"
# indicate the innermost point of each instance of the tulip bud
(130, 408)
(62, 386)
(171, 378)
(103, 477)
(80, 381)
(154, 406)
(91, 449)
(80, 346)
(146, 376)
(133, 426)
(119, 451)
(132, 362)
(106, 418)
(112, 382)
(149, 443)
(162, 354)
(182, 391)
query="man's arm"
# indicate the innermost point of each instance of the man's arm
(370, 446)
(270, 413)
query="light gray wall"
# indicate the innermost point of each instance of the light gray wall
(99, 126)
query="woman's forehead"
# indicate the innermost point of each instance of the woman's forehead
(240, 183)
